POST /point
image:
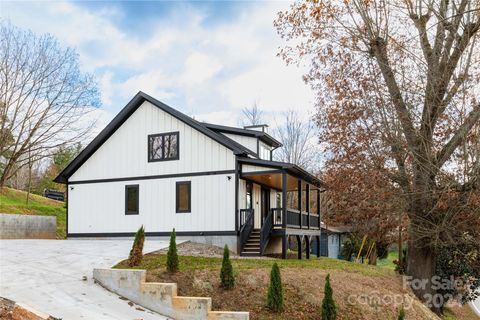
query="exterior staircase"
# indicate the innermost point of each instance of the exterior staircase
(252, 246)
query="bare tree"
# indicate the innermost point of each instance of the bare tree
(44, 98)
(297, 136)
(252, 116)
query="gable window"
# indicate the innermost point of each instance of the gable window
(163, 147)
(131, 199)
(184, 196)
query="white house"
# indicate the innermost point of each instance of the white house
(154, 166)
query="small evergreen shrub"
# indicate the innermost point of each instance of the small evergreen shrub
(136, 254)
(329, 310)
(401, 315)
(227, 280)
(172, 256)
(275, 290)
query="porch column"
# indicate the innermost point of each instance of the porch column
(299, 246)
(307, 200)
(307, 247)
(284, 246)
(284, 201)
(299, 191)
(318, 207)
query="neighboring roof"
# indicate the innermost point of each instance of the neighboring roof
(126, 112)
(336, 229)
(263, 136)
(289, 167)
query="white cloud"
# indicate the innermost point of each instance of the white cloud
(211, 71)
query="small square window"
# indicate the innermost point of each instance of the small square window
(184, 197)
(131, 199)
(163, 147)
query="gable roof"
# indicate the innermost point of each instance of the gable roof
(263, 136)
(124, 114)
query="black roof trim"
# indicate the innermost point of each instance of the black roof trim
(289, 167)
(126, 112)
(263, 136)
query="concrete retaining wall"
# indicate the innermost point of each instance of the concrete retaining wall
(160, 297)
(22, 226)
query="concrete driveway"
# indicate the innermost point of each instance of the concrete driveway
(48, 275)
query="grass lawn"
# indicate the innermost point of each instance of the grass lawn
(14, 201)
(388, 262)
(303, 283)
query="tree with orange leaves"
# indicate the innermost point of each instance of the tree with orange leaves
(397, 85)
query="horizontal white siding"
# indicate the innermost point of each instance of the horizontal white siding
(100, 207)
(125, 153)
(248, 142)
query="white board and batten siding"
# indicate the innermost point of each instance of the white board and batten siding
(249, 142)
(99, 207)
(125, 153)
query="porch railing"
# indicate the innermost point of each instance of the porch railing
(246, 225)
(314, 221)
(266, 230)
(293, 219)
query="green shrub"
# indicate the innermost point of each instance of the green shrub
(275, 290)
(329, 310)
(172, 256)
(136, 254)
(401, 315)
(227, 280)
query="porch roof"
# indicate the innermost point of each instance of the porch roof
(289, 168)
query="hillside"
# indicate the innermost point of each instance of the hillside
(358, 289)
(14, 201)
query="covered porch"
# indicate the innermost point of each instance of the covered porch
(291, 207)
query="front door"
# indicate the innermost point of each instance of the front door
(265, 203)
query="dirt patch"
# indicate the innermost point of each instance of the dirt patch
(303, 290)
(9, 310)
(6, 309)
(457, 311)
(194, 249)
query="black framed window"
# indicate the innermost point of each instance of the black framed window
(184, 196)
(163, 146)
(131, 199)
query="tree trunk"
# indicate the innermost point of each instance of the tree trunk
(421, 249)
(372, 260)
(421, 268)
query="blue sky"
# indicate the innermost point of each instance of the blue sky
(208, 59)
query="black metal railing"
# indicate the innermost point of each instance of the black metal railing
(314, 221)
(246, 225)
(304, 220)
(293, 218)
(266, 230)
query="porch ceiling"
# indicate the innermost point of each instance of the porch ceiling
(274, 181)
(274, 167)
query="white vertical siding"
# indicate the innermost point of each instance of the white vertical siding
(248, 142)
(100, 207)
(125, 153)
(242, 194)
(273, 198)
